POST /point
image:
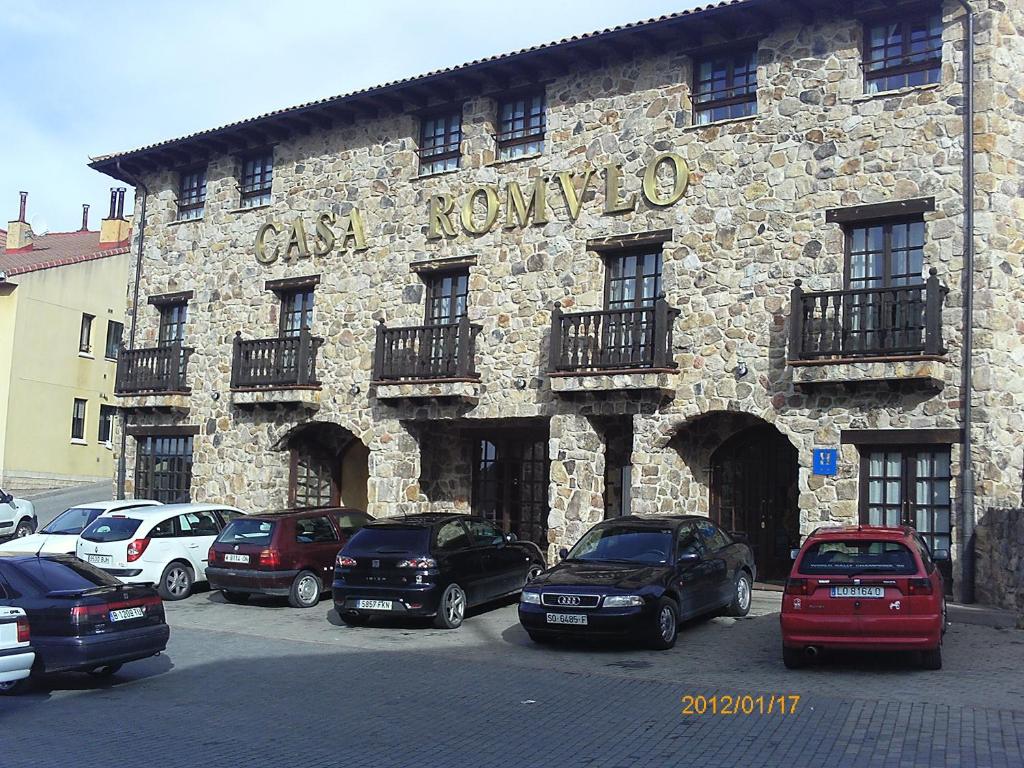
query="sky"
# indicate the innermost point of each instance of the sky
(85, 79)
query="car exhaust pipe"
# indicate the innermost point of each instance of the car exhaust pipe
(812, 651)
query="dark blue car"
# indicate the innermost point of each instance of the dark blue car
(82, 619)
(637, 578)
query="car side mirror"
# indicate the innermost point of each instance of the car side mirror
(688, 558)
(563, 553)
(940, 555)
(510, 538)
(794, 554)
(6, 498)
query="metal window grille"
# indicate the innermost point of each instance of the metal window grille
(163, 468)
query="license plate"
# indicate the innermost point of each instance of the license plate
(579, 619)
(374, 605)
(229, 558)
(871, 592)
(99, 559)
(126, 613)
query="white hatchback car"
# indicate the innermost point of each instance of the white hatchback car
(60, 535)
(16, 655)
(167, 546)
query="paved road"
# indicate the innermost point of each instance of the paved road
(49, 504)
(267, 685)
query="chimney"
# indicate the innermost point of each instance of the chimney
(19, 232)
(85, 218)
(115, 230)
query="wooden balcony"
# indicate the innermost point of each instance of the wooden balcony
(153, 377)
(275, 371)
(608, 350)
(431, 361)
(868, 334)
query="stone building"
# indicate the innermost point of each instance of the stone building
(711, 263)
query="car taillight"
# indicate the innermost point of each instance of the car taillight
(919, 587)
(418, 562)
(345, 562)
(23, 631)
(796, 587)
(270, 558)
(89, 614)
(211, 556)
(136, 548)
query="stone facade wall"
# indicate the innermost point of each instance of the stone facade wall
(751, 223)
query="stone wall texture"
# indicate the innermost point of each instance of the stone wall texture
(752, 221)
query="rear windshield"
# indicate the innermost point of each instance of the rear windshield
(390, 539)
(246, 531)
(850, 557)
(60, 575)
(111, 529)
(72, 522)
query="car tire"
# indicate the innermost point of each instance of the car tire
(355, 619)
(793, 658)
(14, 687)
(451, 610)
(305, 591)
(108, 670)
(25, 528)
(176, 581)
(238, 598)
(742, 592)
(666, 625)
(932, 659)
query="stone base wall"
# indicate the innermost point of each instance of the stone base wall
(999, 551)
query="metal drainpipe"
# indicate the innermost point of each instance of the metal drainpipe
(134, 316)
(966, 466)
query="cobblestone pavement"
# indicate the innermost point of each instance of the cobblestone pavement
(267, 685)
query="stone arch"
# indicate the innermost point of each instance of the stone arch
(328, 465)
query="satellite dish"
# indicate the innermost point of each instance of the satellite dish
(39, 225)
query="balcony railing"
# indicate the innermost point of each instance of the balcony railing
(426, 352)
(289, 361)
(898, 321)
(612, 339)
(152, 370)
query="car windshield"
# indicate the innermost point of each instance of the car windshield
(111, 529)
(635, 544)
(72, 522)
(857, 556)
(247, 531)
(390, 538)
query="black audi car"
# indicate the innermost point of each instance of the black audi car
(82, 619)
(637, 577)
(429, 565)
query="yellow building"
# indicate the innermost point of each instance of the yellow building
(62, 303)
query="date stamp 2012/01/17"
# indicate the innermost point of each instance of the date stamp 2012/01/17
(740, 704)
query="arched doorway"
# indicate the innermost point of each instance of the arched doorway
(328, 466)
(755, 490)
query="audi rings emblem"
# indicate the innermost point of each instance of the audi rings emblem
(568, 600)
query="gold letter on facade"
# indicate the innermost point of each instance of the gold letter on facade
(440, 223)
(261, 244)
(682, 178)
(613, 202)
(517, 212)
(324, 242)
(574, 200)
(352, 228)
(490, 193)
(296, 240)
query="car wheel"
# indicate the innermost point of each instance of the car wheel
(741, 594)
(355, 619)
(238, 598)
(793, 658)
(932, 659)
(666, 625)
(305, 591)
(175, 581)
(25, 528)
(14, 687)
(452, 609)
(108, 670)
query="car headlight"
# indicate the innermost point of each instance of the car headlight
(530, 597)
(622, 601)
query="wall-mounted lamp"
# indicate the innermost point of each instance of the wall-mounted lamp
(215, 396)
(520, 383)
(741, 369)
(354, 389)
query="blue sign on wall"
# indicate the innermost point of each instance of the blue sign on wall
(825, 460)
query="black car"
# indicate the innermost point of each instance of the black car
(429, 565)
(82, 619)
(638, 577)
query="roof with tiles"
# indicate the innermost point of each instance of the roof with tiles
(57, 249)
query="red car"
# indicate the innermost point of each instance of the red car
(289, 553)
(864, 588)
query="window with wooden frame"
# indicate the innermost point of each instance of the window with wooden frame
(447, 297)
(191, 193)
(106, 425)
(903, 51)
(115, 332)
(632, 279)
(163, 468)
(725, 85)
(522, 121)
(296, 310)
(78, 419)
(172, 323)
(440, 138)
(256, 178)
(85, 334)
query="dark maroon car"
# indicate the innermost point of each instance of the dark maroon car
(289, 553)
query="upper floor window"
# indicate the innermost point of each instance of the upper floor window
(440, 136)
(633, 279)
(85, 334)
(78, 420)
(191, 194)
(903, 52)
(296, 311)
(115, 331)
(447, 293)
(106, 425)
(172, 323)
(885, 255)
(521, 124)
(257, 174)
(725, 86)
